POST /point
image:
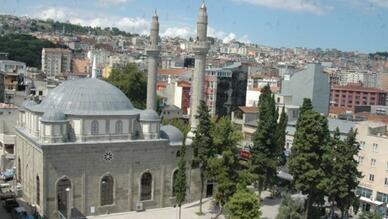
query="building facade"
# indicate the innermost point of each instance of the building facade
(355, 95)
(86, 149)
(373, 163)
(56, 61)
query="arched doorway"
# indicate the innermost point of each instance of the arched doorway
(63, 196)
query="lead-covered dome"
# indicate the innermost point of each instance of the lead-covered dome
(53, 115)
(87, 96)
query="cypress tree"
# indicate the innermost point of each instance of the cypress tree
(264, 161)
(281, 137)
(310, 145)
(181, 179)
(203, 146)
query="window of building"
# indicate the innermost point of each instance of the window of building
(106, 190)
(119, 127)
(363, 192)
(63, 196)
(386, 181)
(146, 186)
(174, 176)
(19, 174)
(362, 144)
(94, 127)
(37, 190)
(371, 177)
(360, 159)
(382, 197)
(375, 147)
(373, 162)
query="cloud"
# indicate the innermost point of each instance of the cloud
(311, 6)
(229, 37)
(133, 25)
(183, 32)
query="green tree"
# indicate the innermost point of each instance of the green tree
(310, 145)
(225, 135)
(225, 172)
(180, 124)
(203, 146)
(307, 105)
(264, 161)
(281, 133)
(348, 172)
(181, 179)
(132, 82)
(290, 208)
(243, 205)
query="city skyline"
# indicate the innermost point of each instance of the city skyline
(346, 25)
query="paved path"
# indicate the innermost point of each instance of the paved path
(269, 210)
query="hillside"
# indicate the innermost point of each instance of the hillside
(24, 48)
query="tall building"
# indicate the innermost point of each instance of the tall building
(56, 61)
(373, 163)
(201, 48)
(153, 52)
(350, 96)
(311, 83)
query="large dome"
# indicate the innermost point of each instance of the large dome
(87, 96)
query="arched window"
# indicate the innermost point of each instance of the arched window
(19, 170)
(119, 127)
(94, 127)
(146, 186)
(37, 190)
(106, 190)
(63, 196)
(174, 176)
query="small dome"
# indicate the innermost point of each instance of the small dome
(174, 135)
(149, 116)
(53, 116)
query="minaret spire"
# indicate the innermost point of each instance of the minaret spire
(153, 52)
(201, 49)
(94, 67)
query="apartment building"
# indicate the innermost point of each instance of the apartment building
(353, 95)
(56, 61)
(373, 163)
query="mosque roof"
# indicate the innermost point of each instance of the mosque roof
(87, 96)
(53, 115)
(149, 116)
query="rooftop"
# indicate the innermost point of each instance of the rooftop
(357, 88)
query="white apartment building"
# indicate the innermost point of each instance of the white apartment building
(373, 163)
(56, 61)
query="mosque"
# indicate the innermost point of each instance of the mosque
(85, 150)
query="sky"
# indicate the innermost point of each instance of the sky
(348, 25)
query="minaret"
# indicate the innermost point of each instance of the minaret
(200, 48)
(153, 52)
(94, 67)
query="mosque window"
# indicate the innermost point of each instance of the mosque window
(119, 127)
(94, 127)
(174, 176)
(107, 190)
(37, 190)
(146, 187)
(63, 195)
(19, 170)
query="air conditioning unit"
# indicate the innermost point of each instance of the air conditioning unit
(139, 206)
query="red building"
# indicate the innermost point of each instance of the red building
(350, 96)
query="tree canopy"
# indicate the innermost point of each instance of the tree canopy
(131, 82)
(243, 205)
